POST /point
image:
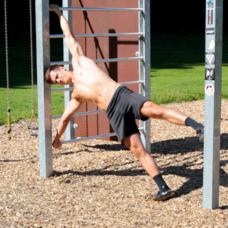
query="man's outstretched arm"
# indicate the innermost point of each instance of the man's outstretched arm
(72, 107)
(73, 45)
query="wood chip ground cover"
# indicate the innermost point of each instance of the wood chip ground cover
(99, 183)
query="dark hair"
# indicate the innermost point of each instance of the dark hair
(47, 74)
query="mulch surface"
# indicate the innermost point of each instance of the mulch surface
(100, 183)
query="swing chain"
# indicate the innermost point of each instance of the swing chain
(6, 45)
(31, 50)
(7, 72)
(32, 82)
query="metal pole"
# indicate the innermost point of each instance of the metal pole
(69, 133)
(144, 65)
(44, 89)
(213, 73)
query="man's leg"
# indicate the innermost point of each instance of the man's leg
(152, 110)
(134, 143)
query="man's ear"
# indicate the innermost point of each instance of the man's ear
(62, 68)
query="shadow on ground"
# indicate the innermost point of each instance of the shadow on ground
(184, 146)
(180, 147)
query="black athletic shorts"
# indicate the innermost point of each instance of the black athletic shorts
(122, 111)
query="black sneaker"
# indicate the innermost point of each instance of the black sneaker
(200, 133)
(163, 195)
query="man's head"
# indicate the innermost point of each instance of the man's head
(58, 75)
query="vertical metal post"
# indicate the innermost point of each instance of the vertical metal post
(213, 73)
(69, 133)
(144, 65)
(44, 90)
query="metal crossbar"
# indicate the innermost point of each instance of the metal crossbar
(97, 35)
(80, 114)
(71, 88)
(92, 137)
(100, 9)
(100, 61)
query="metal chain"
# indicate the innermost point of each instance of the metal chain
(31, 50)
(85, 17)
(6, 45)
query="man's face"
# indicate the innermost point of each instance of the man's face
(60, 76)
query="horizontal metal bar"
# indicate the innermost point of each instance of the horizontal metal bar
(132, 83)
(98, 35)
(80, 114)
(87, 138)
(62, 89)
(100, 9)
(92, 137)
(100, 60)
(71, 88)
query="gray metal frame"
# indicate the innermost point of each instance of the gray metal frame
(69, 132)
(144, 65)
(43, 62)
(213, 58)
(44, 89)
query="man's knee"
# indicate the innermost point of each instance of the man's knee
(158, 112)
(153, 110)
(138, 151)
(134, 143)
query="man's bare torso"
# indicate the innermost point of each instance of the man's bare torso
(91, 84)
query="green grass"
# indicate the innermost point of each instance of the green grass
(176, 85)
(177, 73)
(21, 103)
(20, 92)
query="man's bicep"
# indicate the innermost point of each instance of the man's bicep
(72, 45)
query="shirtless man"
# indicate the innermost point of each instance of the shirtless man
(121, 105)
